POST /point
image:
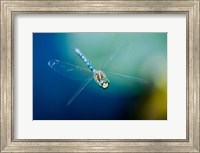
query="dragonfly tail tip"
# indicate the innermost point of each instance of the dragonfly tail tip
(76, 50)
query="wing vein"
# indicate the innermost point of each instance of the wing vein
(130, 77)
(83, 85)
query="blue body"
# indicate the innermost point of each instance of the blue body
(86, 61)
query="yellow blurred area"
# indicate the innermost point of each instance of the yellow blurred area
(155, 106)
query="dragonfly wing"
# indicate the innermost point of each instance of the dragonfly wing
(128, 77)
(80, 89)
(115, 49)
(69, 70)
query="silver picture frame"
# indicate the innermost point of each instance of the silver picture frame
(9, 8)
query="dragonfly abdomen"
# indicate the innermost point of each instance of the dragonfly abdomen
(99, 76)
(85, 60)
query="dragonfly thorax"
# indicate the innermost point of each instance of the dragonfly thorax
(101, 79)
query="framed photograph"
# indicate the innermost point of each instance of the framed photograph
(99, 76)
(111, 87)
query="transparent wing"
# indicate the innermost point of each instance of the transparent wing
(80, 89)
(115, 49)
(69, 70)
(121, 44)
(123, 77)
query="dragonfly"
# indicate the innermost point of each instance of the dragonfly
(72, 71)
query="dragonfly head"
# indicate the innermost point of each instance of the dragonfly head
(104, 83)
(101, 79)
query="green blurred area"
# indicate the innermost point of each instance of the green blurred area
(142, 55)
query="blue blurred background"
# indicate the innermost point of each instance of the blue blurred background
(142, 55)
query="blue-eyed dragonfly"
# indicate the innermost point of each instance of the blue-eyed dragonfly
(72, 71)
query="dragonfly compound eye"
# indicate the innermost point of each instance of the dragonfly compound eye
(105, 85)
